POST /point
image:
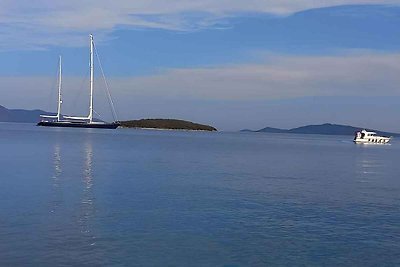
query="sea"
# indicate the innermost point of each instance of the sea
(128, 197)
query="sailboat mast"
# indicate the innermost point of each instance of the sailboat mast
(59, 92)
(91, 80)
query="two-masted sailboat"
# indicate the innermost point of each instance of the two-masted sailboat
(59, 120)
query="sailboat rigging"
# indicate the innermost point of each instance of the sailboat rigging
(57, 117)
(75, 121)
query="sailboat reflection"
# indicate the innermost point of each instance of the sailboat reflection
(57, 165)
(57, 193)
(87, 202)
(88, 179)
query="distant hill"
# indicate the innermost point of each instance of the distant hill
(325, 129)
(171, 124)
(23, 115)
(20, 115)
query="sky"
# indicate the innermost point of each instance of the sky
(230, 63)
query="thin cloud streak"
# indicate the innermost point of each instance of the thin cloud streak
(278, 77)
(36, 24)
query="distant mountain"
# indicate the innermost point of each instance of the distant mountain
(325, 129)
(23, 115)
(272, 130)
(171, 124)
(20, 115)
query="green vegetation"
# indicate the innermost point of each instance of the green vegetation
(166, 124)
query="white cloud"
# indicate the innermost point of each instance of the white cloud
(35, 24)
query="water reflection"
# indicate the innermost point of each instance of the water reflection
(368, 165)
(87, 207)
(55, 178)
(88, 178)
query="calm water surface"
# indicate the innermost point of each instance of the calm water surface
(162, 198)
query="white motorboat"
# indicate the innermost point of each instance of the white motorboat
(366, 137)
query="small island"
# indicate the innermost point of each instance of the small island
(166, 124)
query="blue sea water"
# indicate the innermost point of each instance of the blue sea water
(86, 197)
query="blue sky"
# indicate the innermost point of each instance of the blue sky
(267, 63)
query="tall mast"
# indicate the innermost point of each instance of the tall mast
(91, 80)
(59, 92)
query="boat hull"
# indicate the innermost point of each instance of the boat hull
(78, 125)
(372, 141)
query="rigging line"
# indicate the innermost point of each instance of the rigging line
(100, 117)
(110, 100)
(79, 93)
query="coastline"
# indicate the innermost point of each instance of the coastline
(163, 129)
